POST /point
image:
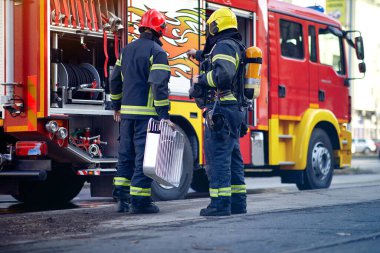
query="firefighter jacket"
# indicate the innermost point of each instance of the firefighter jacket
(139, 80)
(220, 63)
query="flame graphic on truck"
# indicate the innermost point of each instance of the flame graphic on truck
(182, 34)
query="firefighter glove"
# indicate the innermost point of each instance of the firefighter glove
(196, 91)
(243, 129)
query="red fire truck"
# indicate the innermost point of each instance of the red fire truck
(57, 129)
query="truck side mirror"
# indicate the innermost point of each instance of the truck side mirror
(359, 48)
(362, 67)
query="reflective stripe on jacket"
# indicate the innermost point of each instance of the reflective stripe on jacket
(223, 64)
(139, 81)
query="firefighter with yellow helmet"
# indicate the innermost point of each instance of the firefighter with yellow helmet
(221, 72)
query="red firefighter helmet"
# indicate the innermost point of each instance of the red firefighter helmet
(154, 20)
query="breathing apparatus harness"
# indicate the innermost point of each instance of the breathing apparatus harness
(216, 121)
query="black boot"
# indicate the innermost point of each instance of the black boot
(123, 200)
(239, 203)
(238, 211)
(143, 205)
(220, 206)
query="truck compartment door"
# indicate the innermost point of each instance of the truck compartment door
(30, 65)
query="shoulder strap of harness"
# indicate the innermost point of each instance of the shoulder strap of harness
(238, 81)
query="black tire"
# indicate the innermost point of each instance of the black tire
(160, 192)
(200, 181)
(61, 186)
(320, 162)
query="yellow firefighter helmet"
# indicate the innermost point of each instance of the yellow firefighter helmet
(222, 19)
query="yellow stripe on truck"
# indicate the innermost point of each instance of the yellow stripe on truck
(185, 109)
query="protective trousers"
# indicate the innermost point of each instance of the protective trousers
(225, 163)
(130, 176)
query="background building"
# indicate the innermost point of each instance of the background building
(366, 92)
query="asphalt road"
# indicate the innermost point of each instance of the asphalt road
(344, 218)
(371, 163)
(363, 170)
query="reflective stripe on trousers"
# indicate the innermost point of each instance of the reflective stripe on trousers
(131, 156)
(223, 156)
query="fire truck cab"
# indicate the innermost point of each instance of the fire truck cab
(56, 125)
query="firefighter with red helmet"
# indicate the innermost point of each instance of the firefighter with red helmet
(221, 64)
(139, 91)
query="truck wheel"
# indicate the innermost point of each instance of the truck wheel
(320, 162)
(200, 181)
(61, 186)
(160, 192)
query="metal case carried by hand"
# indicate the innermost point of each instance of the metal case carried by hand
(163, 153)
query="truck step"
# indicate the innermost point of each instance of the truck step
(285, 136)
(286, 163)
(24, 174)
